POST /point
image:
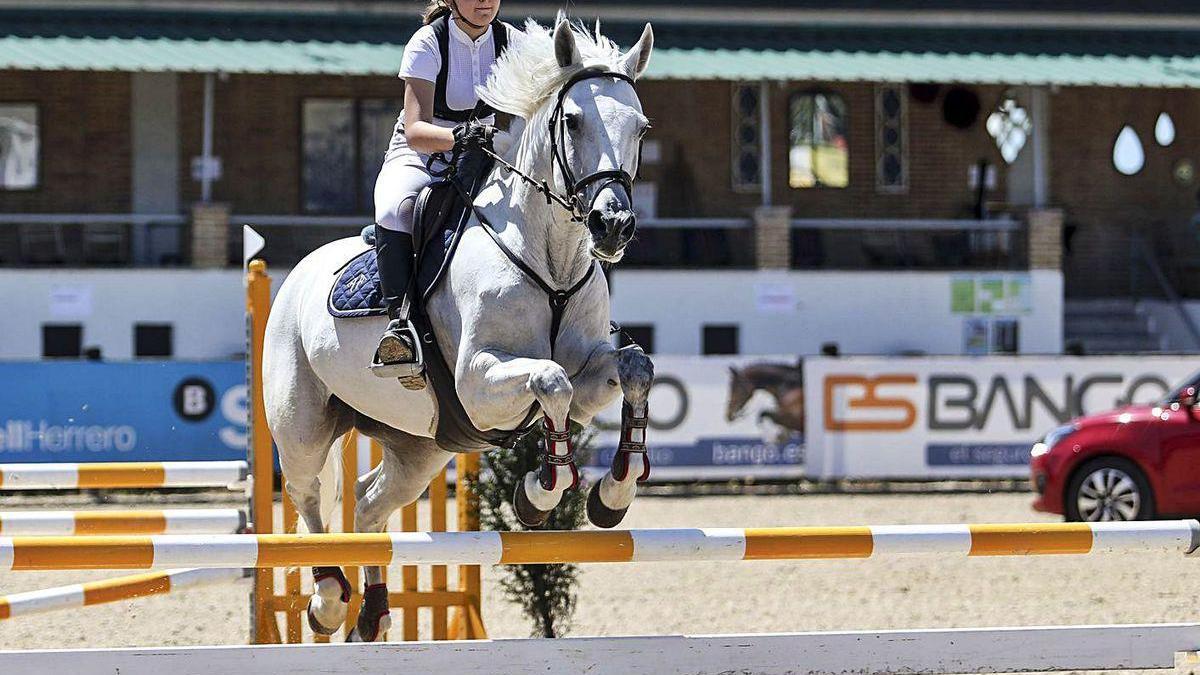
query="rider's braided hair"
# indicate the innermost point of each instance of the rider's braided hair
(434, 10)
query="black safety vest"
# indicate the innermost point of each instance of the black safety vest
(441, 109)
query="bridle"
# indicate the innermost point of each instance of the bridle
(573, 201)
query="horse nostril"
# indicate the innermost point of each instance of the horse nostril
(627, 223)
(595, 223)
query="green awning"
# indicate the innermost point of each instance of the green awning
(345, 43)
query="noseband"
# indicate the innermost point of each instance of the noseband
(558, 155)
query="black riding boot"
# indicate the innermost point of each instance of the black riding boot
(399, 353)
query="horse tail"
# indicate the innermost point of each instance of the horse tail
(331, 482)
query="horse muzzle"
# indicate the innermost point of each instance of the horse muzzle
(611, 231)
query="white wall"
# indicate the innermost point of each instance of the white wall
(206, 307)
(779, 312)
(795, 312)
(1170, 325)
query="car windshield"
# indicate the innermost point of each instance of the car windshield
(1192, 381)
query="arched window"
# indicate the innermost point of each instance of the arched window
(819, 155)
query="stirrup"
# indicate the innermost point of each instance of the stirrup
(400, 358)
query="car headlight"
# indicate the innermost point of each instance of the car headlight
(1056, 436)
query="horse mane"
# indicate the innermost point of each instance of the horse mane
(769, 373)
(528, 74)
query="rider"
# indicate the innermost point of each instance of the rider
(444, 61)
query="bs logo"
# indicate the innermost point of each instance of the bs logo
(194, 399)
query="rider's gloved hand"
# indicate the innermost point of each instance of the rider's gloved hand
(472, 136)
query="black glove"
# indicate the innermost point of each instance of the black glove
(472, 136)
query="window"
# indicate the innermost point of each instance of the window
(153, 340)
(720, 340)
(641, 334)
(344, 141)
(1005, 334)
(747, 138)
(819, 154)
(19, 146)
(891, 156)
(62, 341)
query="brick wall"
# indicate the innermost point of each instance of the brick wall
(257, 134)
(692, 122)
(84, 145)
(1105, 207)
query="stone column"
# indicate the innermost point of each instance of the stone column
(772, 237)
(1045, 239)
(210, 235)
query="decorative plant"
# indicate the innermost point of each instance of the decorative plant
(547, 593)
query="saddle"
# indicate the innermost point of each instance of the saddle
(441, 214)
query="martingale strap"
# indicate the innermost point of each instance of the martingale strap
(558, 299)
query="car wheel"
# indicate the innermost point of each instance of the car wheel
(1109, 488)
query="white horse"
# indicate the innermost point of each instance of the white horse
(490, 314)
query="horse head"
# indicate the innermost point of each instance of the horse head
(598, 129)
(741, 388)
(578, 86)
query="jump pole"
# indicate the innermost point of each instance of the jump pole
(111, 590)
(992, 650)
(121, 475)
(166, 521)
(592, 546)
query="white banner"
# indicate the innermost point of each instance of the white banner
(926, 418)
(690, 436)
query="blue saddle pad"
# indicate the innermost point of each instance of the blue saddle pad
(356, 291)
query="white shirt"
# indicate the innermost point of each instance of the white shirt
(471, 62)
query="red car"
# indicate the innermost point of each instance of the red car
(1133, 463)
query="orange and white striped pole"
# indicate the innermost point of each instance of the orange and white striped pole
(121, 475)
(110, 590)
(546, 547)
(166, 521)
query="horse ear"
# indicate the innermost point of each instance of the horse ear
(565, 49)
(635, 61)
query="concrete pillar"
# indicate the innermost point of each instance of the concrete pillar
(154, 117)
(210, 235)
(772, 237)
(1045, 239)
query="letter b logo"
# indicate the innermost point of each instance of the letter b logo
(194, 399)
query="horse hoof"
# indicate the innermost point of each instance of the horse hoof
(599, 514)
(528, 514)
(374, 619)
(316, 626)
(340, 598)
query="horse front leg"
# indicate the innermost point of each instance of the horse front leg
(496, 385)
(610, 498)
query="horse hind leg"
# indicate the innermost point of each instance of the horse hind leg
(610, 498)
(409, 463)
(304, 450)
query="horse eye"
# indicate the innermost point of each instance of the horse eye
(572, 121)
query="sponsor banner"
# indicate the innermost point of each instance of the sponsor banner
(690, 437)
(122, 412)
(962, 417)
